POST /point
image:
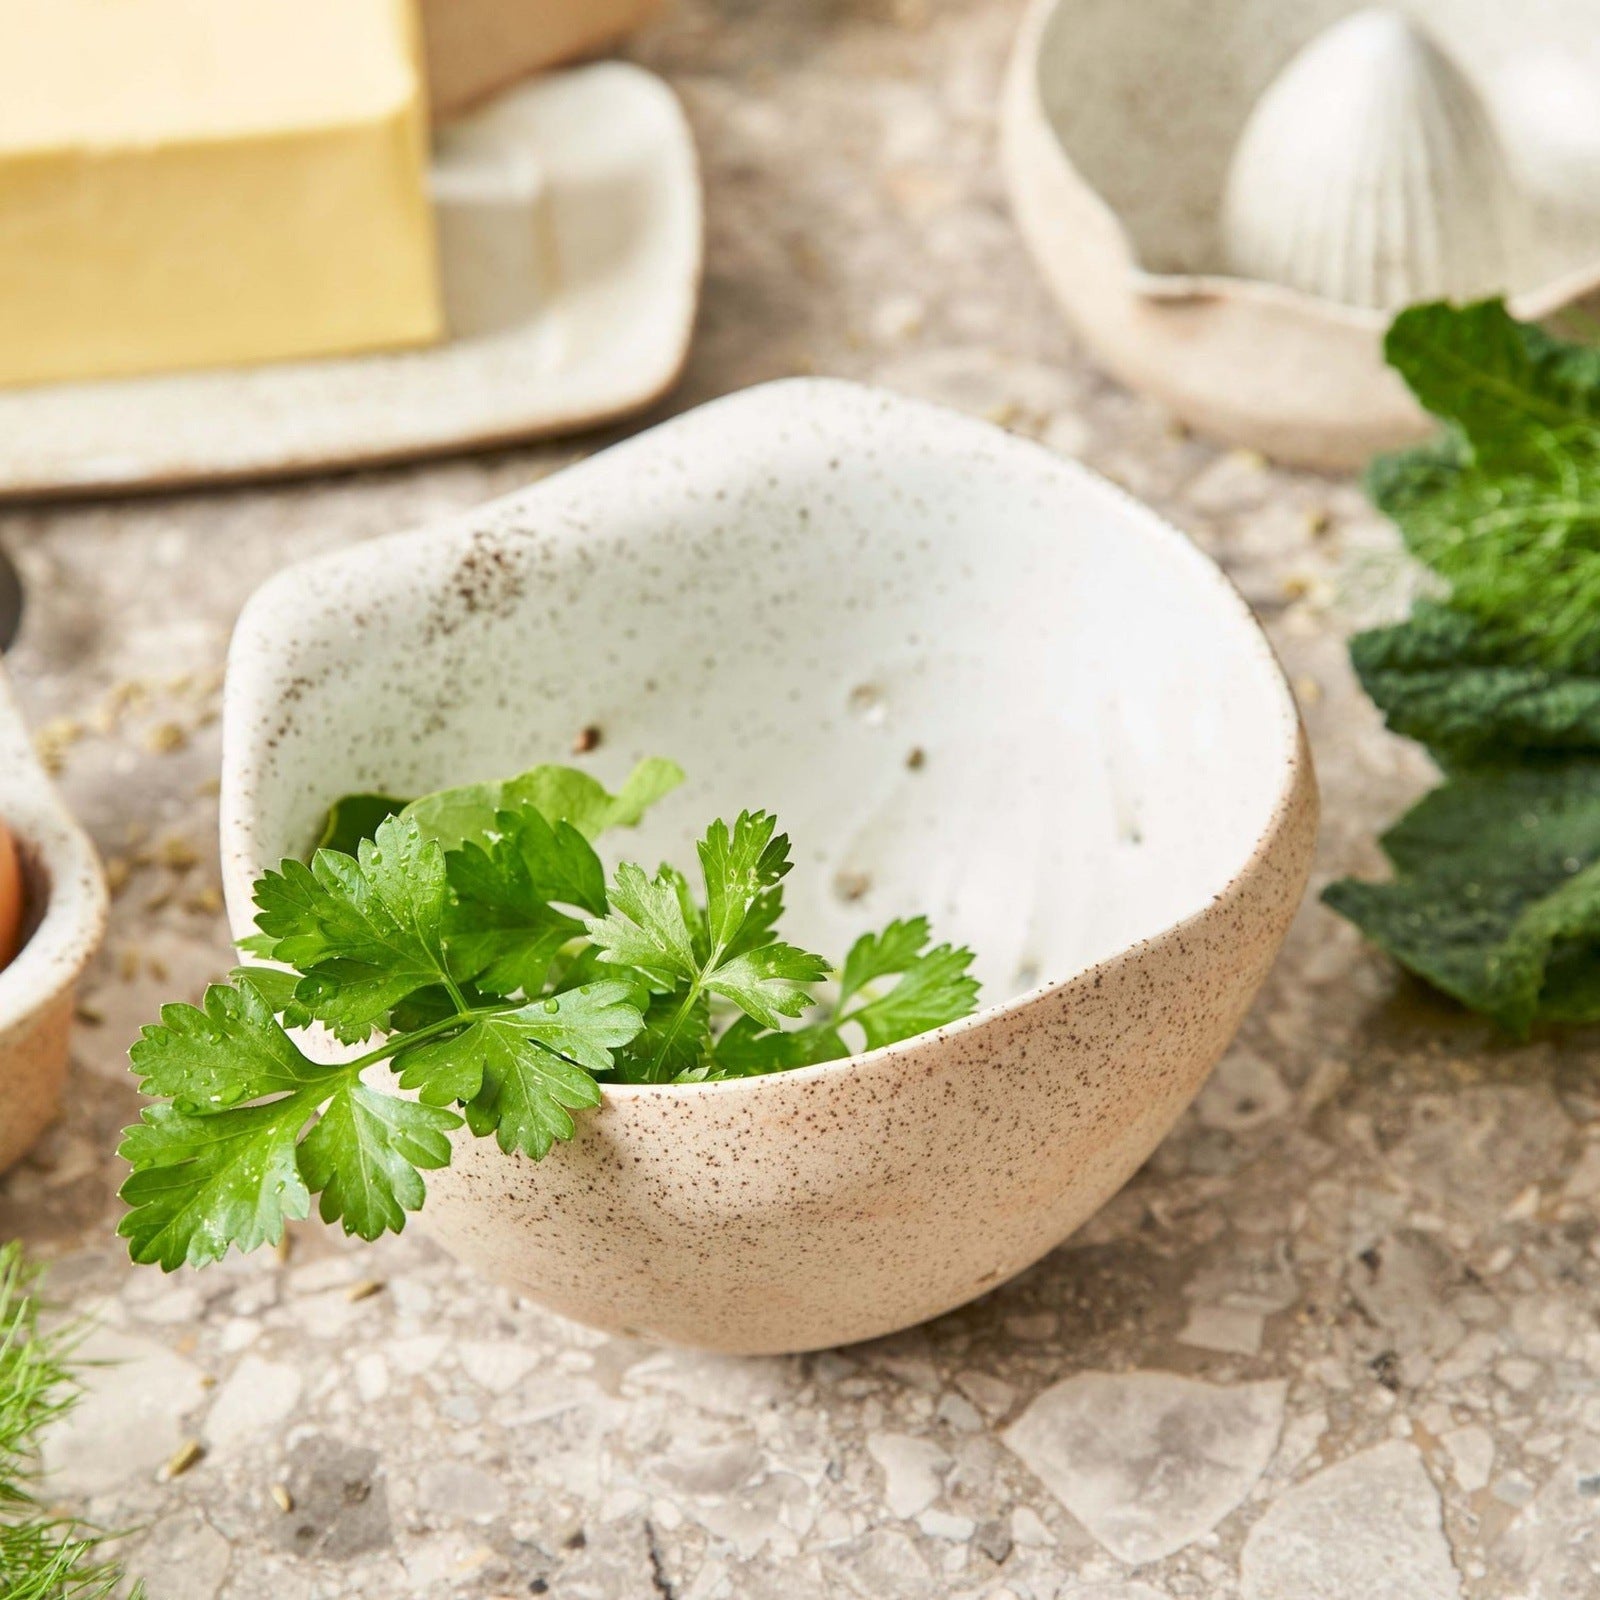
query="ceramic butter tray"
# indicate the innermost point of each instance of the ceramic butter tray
(570, 239)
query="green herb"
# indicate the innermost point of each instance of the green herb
(43, 1555)
(1457, 685)
(1496, 893)
(472, 941)
(1495, 897)
(1505, 504)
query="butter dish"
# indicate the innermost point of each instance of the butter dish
(583, 186)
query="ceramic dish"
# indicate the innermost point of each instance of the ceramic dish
(476, 47)
(1119, 123)
(973, 680)
(64, 922)
(597, 164)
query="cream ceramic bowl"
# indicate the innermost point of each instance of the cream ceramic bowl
(973, 680)
(64, 919)
(1118, 125)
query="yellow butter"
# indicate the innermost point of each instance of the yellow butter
(203, 182)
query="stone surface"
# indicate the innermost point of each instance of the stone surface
(131, 1417)
(1146, 1461)
(1403, 1200)
(1367, 1526)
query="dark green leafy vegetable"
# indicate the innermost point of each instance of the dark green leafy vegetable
(1461, 687)
(1505, 505)
(475, 934)
(1496, 893)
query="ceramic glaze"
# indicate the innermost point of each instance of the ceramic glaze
(1119, 124)
(972, 680)
(1369, 172)
(64, 918)
(599, 161)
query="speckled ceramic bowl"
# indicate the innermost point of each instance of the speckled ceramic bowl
(973, 680)
(1118, 125)
(64, 921)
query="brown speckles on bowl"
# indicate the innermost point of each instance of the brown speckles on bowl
(1114, 806)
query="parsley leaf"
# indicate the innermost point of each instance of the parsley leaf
(1496, 893)
(475, 932)
(651, 929)
(503, 928)
(559, 794)
(364, 931)
(932, 987)
(364, 1155)
(354, 818)
(201, 1183)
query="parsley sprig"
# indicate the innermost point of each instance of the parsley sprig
(472, 942)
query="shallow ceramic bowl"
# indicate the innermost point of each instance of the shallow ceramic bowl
(1118, 126)
(64, 922)
(973, 680)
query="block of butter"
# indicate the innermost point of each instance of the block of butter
(478, 46)
(193, 183)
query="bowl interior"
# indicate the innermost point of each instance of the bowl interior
(64, 894)
(972, 679)
(1149, 100)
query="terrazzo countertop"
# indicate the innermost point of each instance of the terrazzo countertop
(1338, 1341)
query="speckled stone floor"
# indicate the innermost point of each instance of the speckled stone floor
(1338, 1341)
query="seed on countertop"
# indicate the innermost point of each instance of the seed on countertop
(588, 739)
(53, 739)
(284, 1248)
(184, 1457)
(165, 738)
(205, 901)
(365, 1289)
(88, 1016)
(118, 871)
(178, 854)
(917, 759)
(282, 1497)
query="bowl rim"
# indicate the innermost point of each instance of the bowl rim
(1295, 787)
(1026, 121)
(75, 913)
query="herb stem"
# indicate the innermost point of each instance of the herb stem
(394, 1043)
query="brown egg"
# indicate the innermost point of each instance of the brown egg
(10, 896)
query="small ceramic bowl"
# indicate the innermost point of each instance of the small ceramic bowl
(973, 680)
(1118, 126)
(64, 922)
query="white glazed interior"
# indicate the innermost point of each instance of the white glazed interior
(789, 591)
(1149, 100)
